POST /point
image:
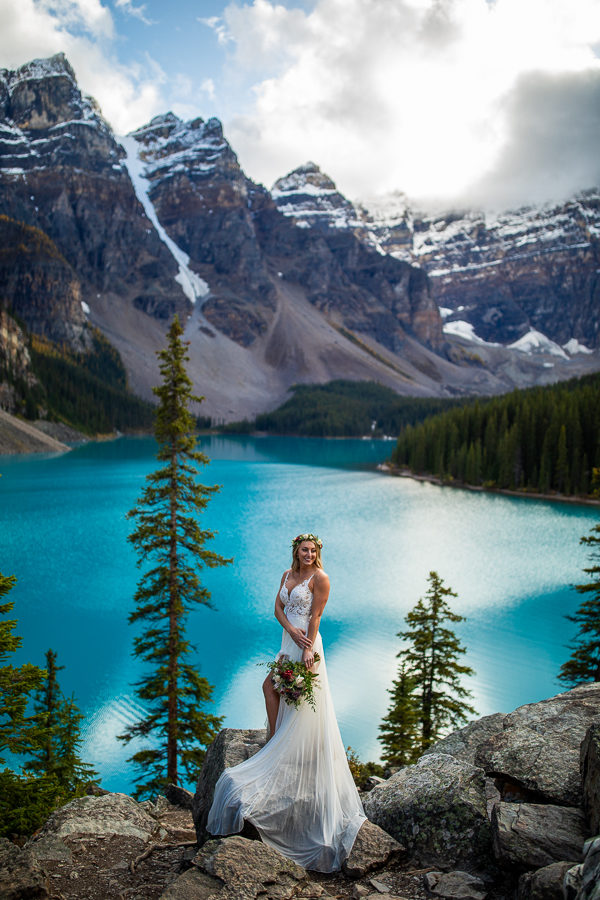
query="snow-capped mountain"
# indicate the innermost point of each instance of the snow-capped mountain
(526, 279)
(275, 288)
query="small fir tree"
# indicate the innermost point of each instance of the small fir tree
(169, 539)
(55, 735)
(584, 663)
(400, 736)
(16, 682)
(431, 657)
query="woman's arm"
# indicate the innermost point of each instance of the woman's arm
(320, 597)
(296, 634)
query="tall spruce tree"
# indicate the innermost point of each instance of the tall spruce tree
(16, 682)
(431, 658)
(399, 729)
(584, 663)
(169, 539)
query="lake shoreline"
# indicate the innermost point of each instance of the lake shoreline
(387, 469)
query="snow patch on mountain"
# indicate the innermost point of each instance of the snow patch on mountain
(192, 285)
(463, 329)
(574, 346)
(536, 342)
(310, 197)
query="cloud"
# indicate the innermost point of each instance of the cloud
(439, 98)
(138, 12)
(83, 30)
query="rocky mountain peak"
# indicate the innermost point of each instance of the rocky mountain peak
(43, 94)
(170, 146)
(311, 198)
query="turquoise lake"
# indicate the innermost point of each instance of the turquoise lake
(64, 535)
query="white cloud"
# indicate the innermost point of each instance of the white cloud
(82, 29)
(138, 12)
(428, 96)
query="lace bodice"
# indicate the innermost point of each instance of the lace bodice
(298, 601)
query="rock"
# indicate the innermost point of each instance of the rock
(373, 781)
(539, 745)
(531, 835)
(437, 809)
(590, 776)
(372, 849)
(20, 876)
(590, 871)
(235, 868)
(455, 885)
(545, 884)
(379, 886)
(230, 747)
(179, 796)
(465, 742)
(110, 814)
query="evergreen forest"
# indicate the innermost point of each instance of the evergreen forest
(344, 408)
(544, 439)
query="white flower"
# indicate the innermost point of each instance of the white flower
(299, 680)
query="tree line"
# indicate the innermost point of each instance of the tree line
(342, 408)
(540, 439)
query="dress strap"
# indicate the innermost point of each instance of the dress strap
(308, 580)
(286, 578)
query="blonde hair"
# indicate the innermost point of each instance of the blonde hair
(296, 561)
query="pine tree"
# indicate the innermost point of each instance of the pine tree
(584, 663)
(399, 729)
(55, 735)
(169, 539)
(431, 656)
(16, 682)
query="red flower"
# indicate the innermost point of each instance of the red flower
(288, 675)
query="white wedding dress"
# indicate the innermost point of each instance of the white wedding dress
(297, 790)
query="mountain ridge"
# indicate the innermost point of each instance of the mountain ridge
(165, 221)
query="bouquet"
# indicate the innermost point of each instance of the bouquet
(293, 681)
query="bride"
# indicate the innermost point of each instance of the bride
(297, 790)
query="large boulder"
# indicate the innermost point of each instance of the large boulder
(21, 878)
(372, 849)
(532, 835)
(539, 745)
(465, 742)
(236, 868)
(590, 777)
(230, 747)
(437, 809)
(544, 884)
(109, 814)
(533, 752)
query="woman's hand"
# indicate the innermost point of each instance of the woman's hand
(308, 658)
(299, 638)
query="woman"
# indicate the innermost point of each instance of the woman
(297, 790)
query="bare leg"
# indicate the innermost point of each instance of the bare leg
(272, 703)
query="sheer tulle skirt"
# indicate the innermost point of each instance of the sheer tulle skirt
(297, 790)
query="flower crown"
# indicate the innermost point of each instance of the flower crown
(307, 537)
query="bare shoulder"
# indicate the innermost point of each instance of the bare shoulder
(285, 575)
(321, 578)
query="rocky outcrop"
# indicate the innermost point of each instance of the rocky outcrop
(534, 751)
(545, 883)
(530, 835)
(437, 809)
(590, 776)
(16, 374)
(20, 876)
(40, 287)
(231, 747)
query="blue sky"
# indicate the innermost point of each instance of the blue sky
(451, 101)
